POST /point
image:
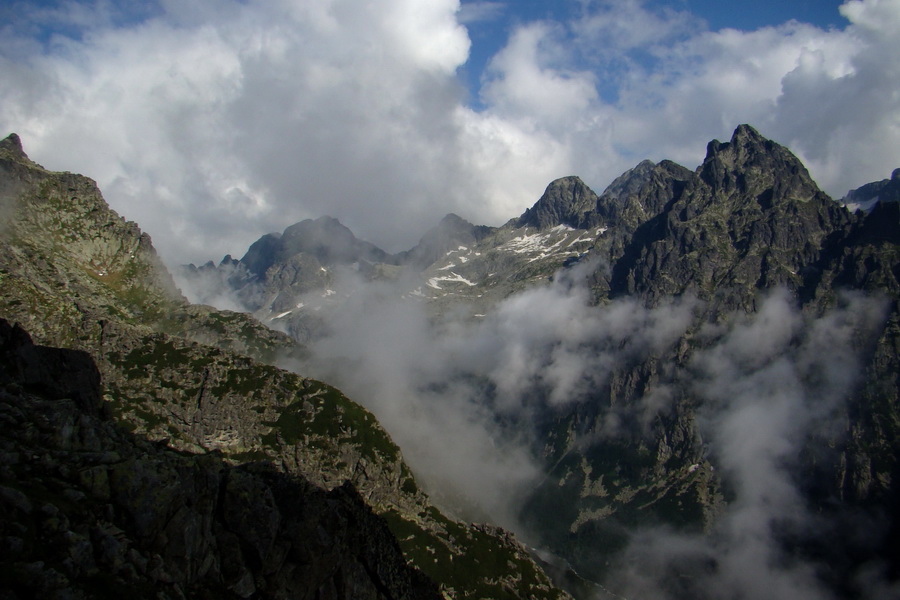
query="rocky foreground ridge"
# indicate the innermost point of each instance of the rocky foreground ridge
(90, 510)
(196, 393)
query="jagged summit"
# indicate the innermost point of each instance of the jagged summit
(452, 232)
(749, 218)
(744, 137)
(566, 201)
(11, 148)
(325, 238)
(629, 182)
(753, 166)
(12, 143)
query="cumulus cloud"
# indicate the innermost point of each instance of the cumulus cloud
(211, 123)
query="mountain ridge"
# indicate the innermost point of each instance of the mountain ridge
(101, 512)
(570, 222)
(77, 276)
(680, 292)
(746, 230)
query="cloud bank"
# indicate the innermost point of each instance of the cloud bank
(464, 397)
(460, 395)
(213, 122)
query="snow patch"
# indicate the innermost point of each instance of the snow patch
(454, 278)
(865, 205)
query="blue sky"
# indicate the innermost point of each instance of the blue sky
(495, 20)
(213, 122)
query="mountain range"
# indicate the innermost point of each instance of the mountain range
(690, 380)
(151, 445)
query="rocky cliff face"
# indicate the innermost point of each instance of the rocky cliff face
(201, 381)
(92, 511)
(749, 219)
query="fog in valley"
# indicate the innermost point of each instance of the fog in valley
(462, 394)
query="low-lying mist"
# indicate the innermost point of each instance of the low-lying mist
(774, 388)
(461, 395)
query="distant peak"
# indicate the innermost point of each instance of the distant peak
(630, 181)
(328, 220)
(567, 181)
(452, 219)
(744, 136)
(566, 201)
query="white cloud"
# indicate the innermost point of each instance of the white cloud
(624, 25)
(771, 386)
(211, 123)
(472, 12)
(829, 95)
(525, 87)
(216, 123)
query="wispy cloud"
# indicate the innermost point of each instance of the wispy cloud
(774, 387)
(474, 12)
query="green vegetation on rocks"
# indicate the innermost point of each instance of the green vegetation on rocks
(190, 378)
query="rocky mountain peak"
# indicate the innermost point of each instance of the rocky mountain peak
(326, 239)
(745, 141)
(752, 166)
(452, 232)
(12, 143)
(750, 218)
(629, 182)
(11, 149)
(865, 198)
(452, 220)
(566, 201)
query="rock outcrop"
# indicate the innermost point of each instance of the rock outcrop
(92, 511)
